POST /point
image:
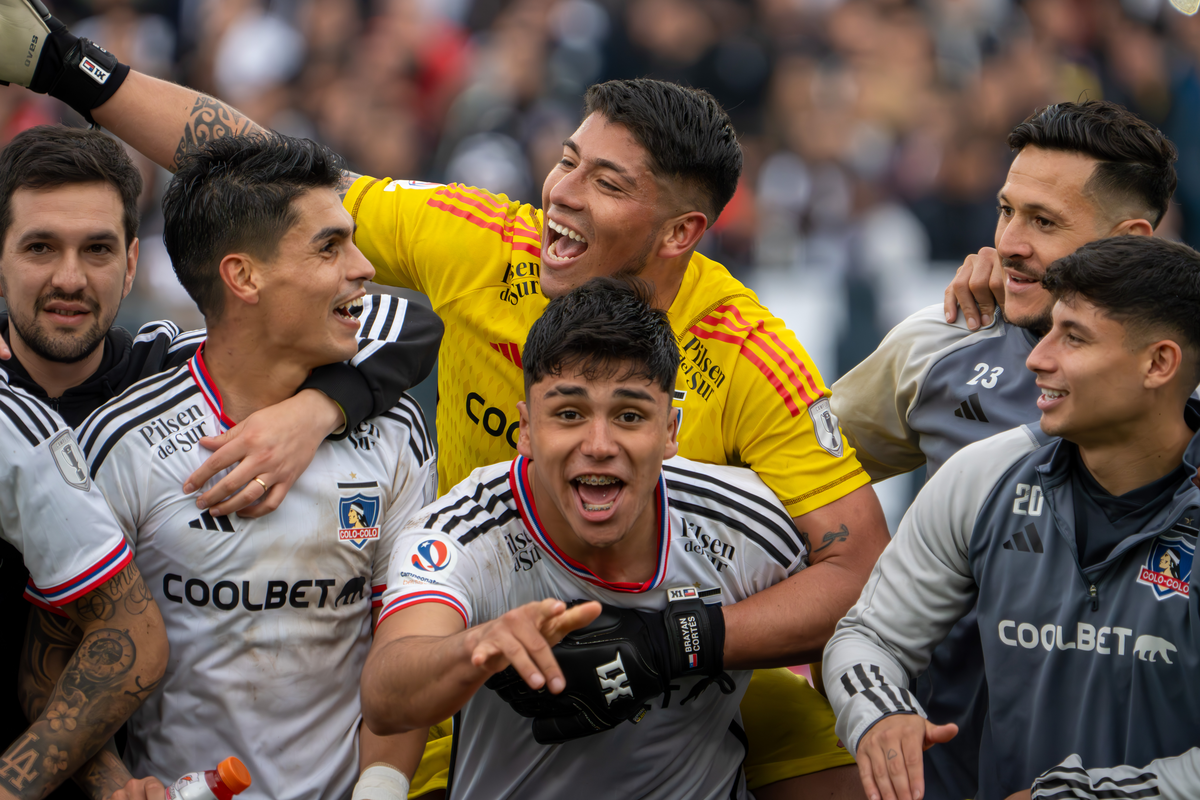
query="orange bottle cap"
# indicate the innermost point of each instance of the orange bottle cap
(234, 775)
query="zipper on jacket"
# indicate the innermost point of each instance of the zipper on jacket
(1095, 595)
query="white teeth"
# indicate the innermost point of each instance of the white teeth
(597, 480)
(565, 231)
(590, 507)
(1052, 394)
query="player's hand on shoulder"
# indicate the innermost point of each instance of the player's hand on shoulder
(141, 789)
(889, 756)
(977, 289)
(271, 448)
(523, 638)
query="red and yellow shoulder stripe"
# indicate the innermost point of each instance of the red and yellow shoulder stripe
(491, 213)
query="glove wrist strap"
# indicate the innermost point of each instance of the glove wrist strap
(696, 633)
(78, 72)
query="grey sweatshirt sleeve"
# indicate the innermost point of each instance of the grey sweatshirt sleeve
(921, 586)
(1176, 778)
(873, 401)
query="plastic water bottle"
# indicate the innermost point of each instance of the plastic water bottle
(229, 778)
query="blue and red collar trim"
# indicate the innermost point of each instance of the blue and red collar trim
(208, 387)
(518, 479)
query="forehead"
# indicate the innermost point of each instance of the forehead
(1052, 178)
(611, 382)
(70, 210)
(597, 138)
(317, 209)
(1084, 313)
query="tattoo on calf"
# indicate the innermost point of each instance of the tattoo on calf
(211, 119)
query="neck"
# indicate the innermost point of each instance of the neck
(666, 277)
(53, 376)
(1132, 456)
(632, 559)
(249, 374)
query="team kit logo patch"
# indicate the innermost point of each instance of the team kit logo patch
(431, 556)
(359, 516)
(1168, 568)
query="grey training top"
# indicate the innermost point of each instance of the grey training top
(1090, 671)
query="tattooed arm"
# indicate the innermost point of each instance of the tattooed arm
(78, 695)
(162, 120)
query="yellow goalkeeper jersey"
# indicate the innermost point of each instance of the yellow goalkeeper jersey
(749, 394)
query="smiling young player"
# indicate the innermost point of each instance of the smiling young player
(1057, 538)
(588, 510)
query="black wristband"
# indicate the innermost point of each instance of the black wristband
(696, 633)
(77, 71)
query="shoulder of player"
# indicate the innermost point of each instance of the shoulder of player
(480, 504)
(29, 419)
(926, 334)
(404, 424)
(710, 296)
(734, 499)
(467, 205)
(972, 474)
(137, 406)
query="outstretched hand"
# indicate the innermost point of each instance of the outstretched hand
(271, 448)
(977, 288)
(889, 756)
(524, 637)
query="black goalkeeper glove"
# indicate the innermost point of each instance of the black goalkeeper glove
(618, 663)
(37, 50)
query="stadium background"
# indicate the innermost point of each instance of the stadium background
(873, 129)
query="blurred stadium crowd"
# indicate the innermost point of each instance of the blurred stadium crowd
(874, 130)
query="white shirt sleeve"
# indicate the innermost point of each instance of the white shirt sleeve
(49, 508)
(921, 586)
(1176, 778)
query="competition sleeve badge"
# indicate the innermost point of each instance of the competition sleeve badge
(359, 517)
(70, 461)
(825, 426)
(1168, 568)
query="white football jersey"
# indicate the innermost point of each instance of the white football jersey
(49, 509)
(481, 550)
(269, 619)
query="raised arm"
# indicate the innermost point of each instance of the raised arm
(78, 702)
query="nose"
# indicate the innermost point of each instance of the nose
(71, 275)
(358, 268)
(1041, 360)
(599, 443)
(567, 191)
(1012, 238)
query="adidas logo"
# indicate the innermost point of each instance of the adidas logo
(208, 522)
(970, 409)
(1018, 541)
(510, 351)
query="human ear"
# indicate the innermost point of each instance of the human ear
(242, 274)
(524, 440)
(1164, 361)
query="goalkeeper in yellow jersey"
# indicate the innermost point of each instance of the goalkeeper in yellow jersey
(646, 173)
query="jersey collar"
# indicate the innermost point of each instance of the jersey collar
(518, 479)
(208, 388)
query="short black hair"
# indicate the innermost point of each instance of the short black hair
(599, 327)
(1137, 163)
(234, 195)
(1150, 285)
(49, 156)
(686, 133)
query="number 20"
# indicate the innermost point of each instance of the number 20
(1028, 495)
(988, 382)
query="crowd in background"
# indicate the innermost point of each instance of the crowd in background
(874, 130)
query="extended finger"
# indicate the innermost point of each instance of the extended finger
(239, 478)
(914, 764)
(963, 297)
(535, 647)
(868, 778)
(880, 771)
(252, 492)
(269, 502)
(558, 626)
(229, 452)
(897, 768)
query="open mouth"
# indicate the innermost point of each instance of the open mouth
(565, 243)
(1051, 397)
(1017, 279)
(350, 309)
(597, 493)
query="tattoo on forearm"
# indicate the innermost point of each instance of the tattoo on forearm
(104, 774)
(211, 119)
(348, 179)
(830, 537)
(77, 689)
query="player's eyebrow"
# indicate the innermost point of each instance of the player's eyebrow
(1077, 327)
(632, 394)
(604, 162)
(95, 236)
(330, 231)
(1034, 207)
(566, 390)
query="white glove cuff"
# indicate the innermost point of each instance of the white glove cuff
(381, 782)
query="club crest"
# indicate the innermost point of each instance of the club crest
(1168, 568)
(359, 516)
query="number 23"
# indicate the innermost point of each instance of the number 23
(988, 382)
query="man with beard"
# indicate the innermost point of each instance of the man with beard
(643, 177)
(1082, 172)
(68, 255)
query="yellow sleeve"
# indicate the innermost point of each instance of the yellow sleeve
(779, 421)
(437, 239)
